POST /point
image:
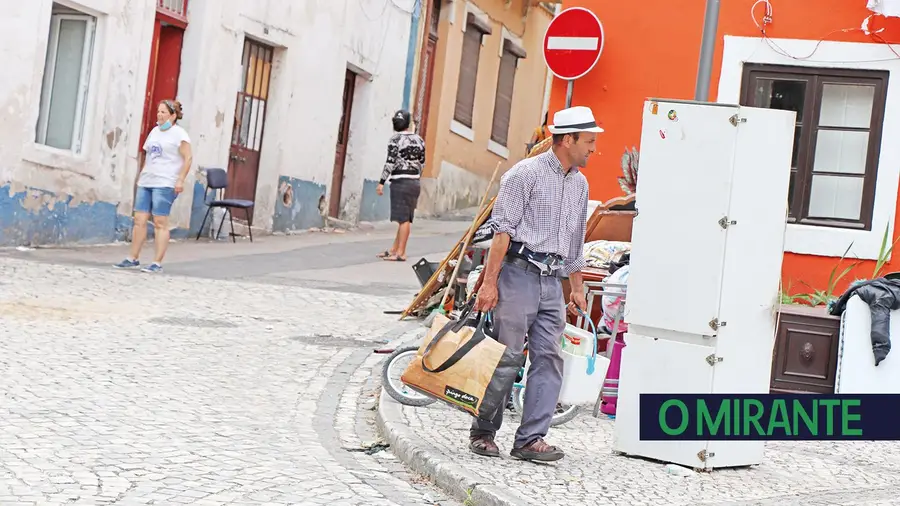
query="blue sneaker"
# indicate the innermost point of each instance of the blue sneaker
(127, 264)
(152, 268)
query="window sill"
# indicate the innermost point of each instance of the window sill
(833, 242)
(498, 149)
(462, 131)
(58, 159)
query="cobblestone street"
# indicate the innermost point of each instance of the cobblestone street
(435, 439)
(124, 388)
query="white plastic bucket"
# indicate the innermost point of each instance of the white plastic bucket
(581, 382)
(583, 369)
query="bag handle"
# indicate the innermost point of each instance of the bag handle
(592, 359)
(463, 350)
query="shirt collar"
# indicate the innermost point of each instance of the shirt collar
(557, 165)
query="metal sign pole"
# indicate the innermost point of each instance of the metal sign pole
(707, 48)
(570, 87)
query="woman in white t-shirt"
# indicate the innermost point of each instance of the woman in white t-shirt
(167, 162)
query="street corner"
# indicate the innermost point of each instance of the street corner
(433, 441)
(437, 462)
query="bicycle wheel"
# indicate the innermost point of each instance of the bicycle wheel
(563, 413)
(393, 368)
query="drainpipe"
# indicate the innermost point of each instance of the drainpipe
(707, 49)
(411, 52)
(548, 84)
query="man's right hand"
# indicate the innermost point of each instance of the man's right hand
(487, 297)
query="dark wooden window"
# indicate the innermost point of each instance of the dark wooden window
(837, 138)
(468, 69)
(506, 80)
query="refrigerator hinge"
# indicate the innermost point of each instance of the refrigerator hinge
(704, 455)
(735, 119)
(713, 359)
(715, 324)
(724, 222)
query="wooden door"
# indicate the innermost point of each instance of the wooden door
(340, 152)
(426, 74)
(249, 121)
(425, 95)
(165, 68)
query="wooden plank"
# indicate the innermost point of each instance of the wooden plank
(433, 285)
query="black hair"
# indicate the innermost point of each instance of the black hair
(557, 138)
(401, 120)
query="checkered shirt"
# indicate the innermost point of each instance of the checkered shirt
(544, 207)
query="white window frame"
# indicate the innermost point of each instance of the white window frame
(83, 84)
(810, 239)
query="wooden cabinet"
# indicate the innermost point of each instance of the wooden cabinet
(806, 348)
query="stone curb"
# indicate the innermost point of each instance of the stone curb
(451, 478)
(426, 460)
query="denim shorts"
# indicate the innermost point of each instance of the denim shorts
(154, 201)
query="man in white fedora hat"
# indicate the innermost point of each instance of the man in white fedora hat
(539, 221)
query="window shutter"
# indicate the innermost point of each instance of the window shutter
(468, 69)
(503, 100)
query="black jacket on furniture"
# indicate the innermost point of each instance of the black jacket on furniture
(882, 295)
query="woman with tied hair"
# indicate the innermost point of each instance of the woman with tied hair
(403, 168)
(167, 162)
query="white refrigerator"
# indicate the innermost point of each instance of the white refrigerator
(707, 248)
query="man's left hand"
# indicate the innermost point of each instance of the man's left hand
(576, 302)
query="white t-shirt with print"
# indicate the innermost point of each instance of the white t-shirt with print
(163, 161)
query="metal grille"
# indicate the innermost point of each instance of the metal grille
(251, 105)
(176, 7)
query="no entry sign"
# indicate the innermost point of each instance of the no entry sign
(573, 43)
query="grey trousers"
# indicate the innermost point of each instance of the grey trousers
(530, 304)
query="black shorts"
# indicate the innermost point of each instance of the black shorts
(404, 198)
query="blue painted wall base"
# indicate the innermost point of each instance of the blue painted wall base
(300, 210)
(38, 217)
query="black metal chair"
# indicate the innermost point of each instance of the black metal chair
(217, 180)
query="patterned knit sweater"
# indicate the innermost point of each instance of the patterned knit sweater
(405, 158)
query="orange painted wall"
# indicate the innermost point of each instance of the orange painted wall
(652, 49)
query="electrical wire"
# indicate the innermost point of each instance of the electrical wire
(767, 19)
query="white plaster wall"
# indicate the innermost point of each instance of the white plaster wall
(105, 170)
(316, 41)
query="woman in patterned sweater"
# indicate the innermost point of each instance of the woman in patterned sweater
(403, 168)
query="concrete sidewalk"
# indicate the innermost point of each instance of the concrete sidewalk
(433, 441)
(338, 260)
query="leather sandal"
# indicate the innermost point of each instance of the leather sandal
(538, 450)
(484, 446)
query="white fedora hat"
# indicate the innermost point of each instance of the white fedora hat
(574, 119)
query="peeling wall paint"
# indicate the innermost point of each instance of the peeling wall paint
(304, 100)
(29, 216)
(53, 196)
(301, 125)
(297, 206)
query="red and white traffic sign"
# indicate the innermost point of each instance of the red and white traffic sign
(573, 43)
